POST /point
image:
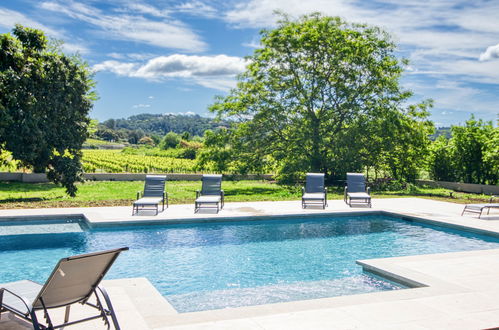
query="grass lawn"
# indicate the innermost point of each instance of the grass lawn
(115, 193)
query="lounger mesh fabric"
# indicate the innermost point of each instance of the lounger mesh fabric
(212, 184)
(314, 183)
(154, 186)
(356, 182)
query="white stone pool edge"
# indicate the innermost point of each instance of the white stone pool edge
(459, 288)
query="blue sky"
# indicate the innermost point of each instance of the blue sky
(175, 56)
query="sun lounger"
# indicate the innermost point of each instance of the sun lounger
(74, 280)
(211, 193)
(154, 194)
(478, 208)
(356, 191)
(314, 192)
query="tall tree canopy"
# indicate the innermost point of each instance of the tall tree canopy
(45, 98)
(323, 95)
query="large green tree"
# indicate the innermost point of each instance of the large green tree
(45, 98)
(318, 92)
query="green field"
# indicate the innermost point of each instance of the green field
(114, 193)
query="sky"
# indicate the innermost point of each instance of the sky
(169, 56)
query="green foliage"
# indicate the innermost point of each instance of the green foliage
(161, 124)
(170, 140)
(471, 143)
(113, 161)
(441, 162)
(471, 155)
(45, 98)
(321, 95)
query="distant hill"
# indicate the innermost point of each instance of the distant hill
(445, 131)
(160, 124)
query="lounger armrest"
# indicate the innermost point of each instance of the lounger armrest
(325, 193)
(198, 193)
(138, 194)
(302, 191)
(25, 301)
(345, 194)
(368, 190)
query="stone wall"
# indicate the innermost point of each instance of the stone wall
(463, 187)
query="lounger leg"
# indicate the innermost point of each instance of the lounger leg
(66, 314)
(109, 307)
(34, 320)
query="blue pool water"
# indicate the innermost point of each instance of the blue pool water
(218, 265)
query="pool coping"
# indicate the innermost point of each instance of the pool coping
(390, 268)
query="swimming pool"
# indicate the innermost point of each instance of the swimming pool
(217, 265)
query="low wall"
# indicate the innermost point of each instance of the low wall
(41, 177)
(463, 187)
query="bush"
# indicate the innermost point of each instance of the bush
(170, 140)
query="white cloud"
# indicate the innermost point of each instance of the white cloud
(9, 18)
(197, 8)
(157, 32)
(491, 53)
(75, 48)
(456, 98)
(216, 72)
(192, 66)
(119, 68)
(137, 106)
(148, 10)
(131, 56)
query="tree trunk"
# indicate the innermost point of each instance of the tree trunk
(316, 158)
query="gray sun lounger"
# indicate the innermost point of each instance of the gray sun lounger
(356, 191)
(478, 208)
(154, 194)
(211, 193)
(314, 192)
(74, 280)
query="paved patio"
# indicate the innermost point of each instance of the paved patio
(458, 290)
